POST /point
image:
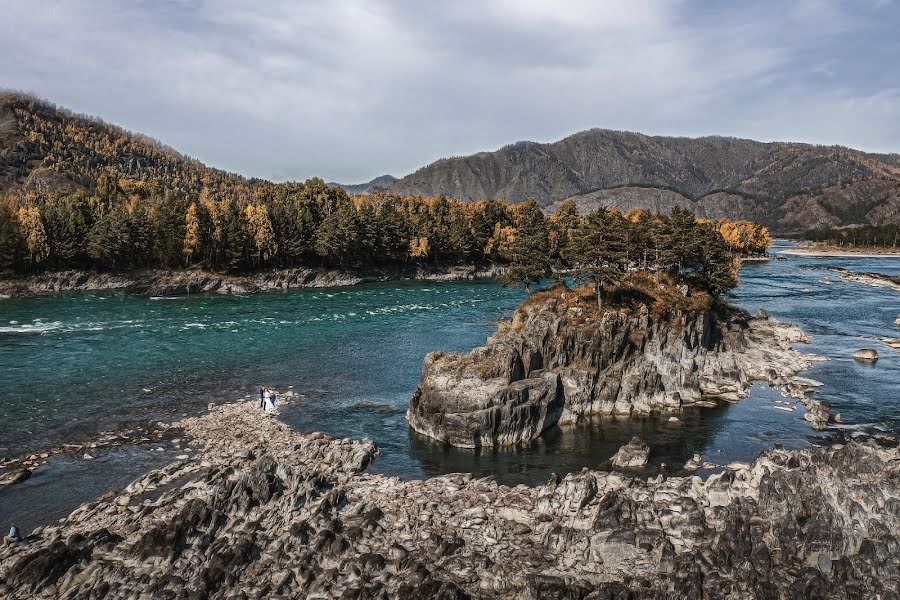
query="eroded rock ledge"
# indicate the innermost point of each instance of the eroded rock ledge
(265, 512)
(555, 363)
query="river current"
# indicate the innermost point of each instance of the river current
(74, 364)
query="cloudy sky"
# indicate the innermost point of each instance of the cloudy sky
(350, 89)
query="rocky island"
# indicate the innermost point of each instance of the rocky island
(265, 512)
(561, 360)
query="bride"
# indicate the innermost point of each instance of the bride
(268, 400)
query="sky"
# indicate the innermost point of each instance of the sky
(348, 89)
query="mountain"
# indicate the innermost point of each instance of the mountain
(383, 181)
(46, 148)
(787, 186)
(783, 185)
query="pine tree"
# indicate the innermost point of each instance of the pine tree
(462, 241)
(233, 253)
(530, 255)
(486, 217)
(168, 222)
(109, 240)
(338, 235)
(66, 221)
(598, 251)
(12, 246)
(563, 226)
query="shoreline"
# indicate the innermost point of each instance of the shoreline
(218, 519)
(160, 283)
(837, 253)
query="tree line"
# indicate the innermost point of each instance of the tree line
(127, 224)
(598, 248)
(864, 236)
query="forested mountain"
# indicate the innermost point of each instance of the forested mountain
(47, 149)
(787, 186)
(381, 182)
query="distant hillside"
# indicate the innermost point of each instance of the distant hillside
(47, 148)
(783, 185)
(384, 181)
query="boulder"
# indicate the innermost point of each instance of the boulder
(632, 455)
(868, 355)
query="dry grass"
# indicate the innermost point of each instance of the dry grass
(635, 288)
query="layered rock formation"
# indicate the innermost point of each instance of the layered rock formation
(559, 363)
(264, 512)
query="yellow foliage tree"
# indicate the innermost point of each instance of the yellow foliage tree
(745, 237)
(33, 231)
(191, 233)
(501, 243)
(259, 226)
(419, 247)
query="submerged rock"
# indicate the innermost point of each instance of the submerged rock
(866, 355)
(16, 475)
(276, 514)
(555, 364)
(634, 454)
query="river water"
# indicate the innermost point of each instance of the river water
(74, 364)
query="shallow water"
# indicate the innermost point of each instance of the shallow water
(75, 363)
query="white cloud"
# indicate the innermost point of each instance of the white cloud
(348, 89)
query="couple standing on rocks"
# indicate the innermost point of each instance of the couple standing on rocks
(266, 399)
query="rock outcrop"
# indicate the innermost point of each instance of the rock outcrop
(557, 364)
(265, 512)
(634, 454)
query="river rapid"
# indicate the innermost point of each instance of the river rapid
(73, 365)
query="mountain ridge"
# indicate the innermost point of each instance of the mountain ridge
(382, 181)
(783, 184)
(788, 186)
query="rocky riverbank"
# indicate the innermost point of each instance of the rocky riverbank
(195, 281)
(559, 361)
(262, 511)
(873, 279)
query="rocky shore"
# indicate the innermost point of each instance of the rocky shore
(264, 512)
(873, 279)
(557, 362)
(194, 281)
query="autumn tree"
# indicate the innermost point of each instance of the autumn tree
(260, 233)
(32, 230)
(191, 245)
